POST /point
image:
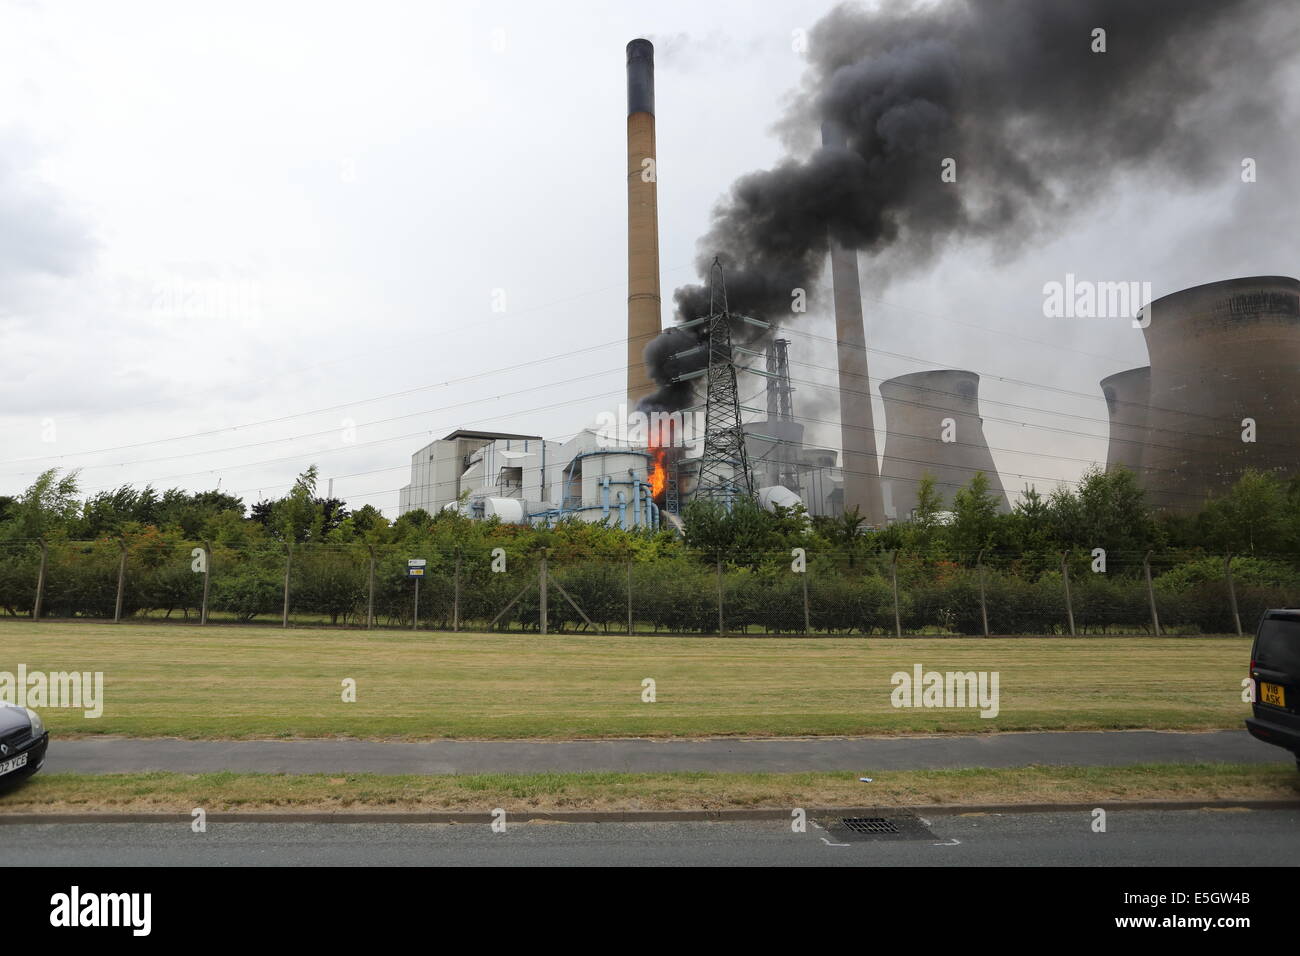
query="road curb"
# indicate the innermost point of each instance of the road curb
(730, 815)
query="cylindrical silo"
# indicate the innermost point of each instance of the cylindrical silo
(619, 465)
(1128, 395)
(1224, 359)
(933, 426)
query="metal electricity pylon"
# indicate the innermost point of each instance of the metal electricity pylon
(724, 464)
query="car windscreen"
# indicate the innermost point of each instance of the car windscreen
(1278, 645)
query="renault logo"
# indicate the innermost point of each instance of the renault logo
(4, 749)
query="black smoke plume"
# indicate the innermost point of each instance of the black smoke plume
(1013, 91)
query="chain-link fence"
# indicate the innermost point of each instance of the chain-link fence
(829, 593)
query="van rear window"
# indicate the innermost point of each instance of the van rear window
(1278, 645)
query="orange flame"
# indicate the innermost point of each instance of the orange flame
(658, 472)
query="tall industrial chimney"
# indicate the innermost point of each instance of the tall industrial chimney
(857, 427)
(643, 305)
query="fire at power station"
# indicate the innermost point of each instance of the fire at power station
(1216, 399)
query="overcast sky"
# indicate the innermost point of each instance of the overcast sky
(240, 238)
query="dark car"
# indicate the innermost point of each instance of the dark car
(1275, 668)
(23, 741)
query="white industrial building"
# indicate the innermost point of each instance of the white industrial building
(497, 469)
(525, 479)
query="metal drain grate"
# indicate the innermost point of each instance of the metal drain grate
(868, 824)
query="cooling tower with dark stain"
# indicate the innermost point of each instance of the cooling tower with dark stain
(1224, 360)
(922, 411)
(1128, 396)
(643, 302)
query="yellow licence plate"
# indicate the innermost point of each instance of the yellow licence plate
(1274, 694)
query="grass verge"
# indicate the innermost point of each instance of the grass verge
(215, 792)
(240, 682)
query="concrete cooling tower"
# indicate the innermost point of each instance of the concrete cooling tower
(921, 410)
(1128, 396)
(1224, 358)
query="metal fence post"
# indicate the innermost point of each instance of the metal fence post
(1065, 577)
(721, 627)
(893, 577)
(807, 620)
(984, 607)
(288, 566)
(415, 617)
(1151, 595)
(541, 586)
(629, 595)
(370, 598)
(1232, 592)
(40, 580)
(455, 595)
(207, 580)
(121, 584)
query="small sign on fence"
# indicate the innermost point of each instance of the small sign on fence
(415, 567)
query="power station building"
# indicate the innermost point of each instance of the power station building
(496, 470)
(522, 479)
(645, 482)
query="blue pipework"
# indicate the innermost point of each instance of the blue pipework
(639, 498)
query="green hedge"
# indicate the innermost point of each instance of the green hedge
(669, 595)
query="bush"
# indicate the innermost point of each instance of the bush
(329, 581)
(246, 585)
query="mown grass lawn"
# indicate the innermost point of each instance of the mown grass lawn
(232, 682)
(216, 792)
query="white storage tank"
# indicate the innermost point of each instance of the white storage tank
(777, 495)
(616, 463)
(507, 510)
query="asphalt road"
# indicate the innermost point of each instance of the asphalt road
(1133, 838)
(778, 755)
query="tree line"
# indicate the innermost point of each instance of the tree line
(940, 557)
